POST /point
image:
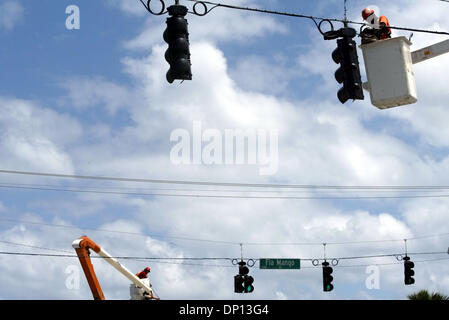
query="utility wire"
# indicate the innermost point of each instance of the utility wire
(120, 232)
(197, 195)
(31, 246)
(225, 242)
(383, 264)
(295, 15)
(75, 256)
(180, 260)
(222, 190)
(224, 184)
(172, 259)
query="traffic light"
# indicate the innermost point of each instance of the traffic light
(248, 283)
(243, 283)
(349, 72)
(408, 271)
(238, 284)
(327, 277)
(177, 37)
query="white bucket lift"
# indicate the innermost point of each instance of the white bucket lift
(389, 69)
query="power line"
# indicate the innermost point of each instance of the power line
(197, 195)
(313, 18)
(172, 259)
(384, 264)
(95, 257)
(120, 232)
(388, 255)
(224, 190)
(215, 265)
(224, 184)
(31, 246)
(226, 242)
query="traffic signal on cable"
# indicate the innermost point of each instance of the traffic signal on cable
(408, 271)
(238, 284)
(327, 277)
(349, 72)
(243, 283)
(248, 283)
(177, 37)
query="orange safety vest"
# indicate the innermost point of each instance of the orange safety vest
(384, 19)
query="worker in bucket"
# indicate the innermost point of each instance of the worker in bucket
(377, 26)
(143, 274)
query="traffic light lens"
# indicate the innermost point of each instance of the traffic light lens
(244, 270)
(329, 287)
(343, 95)
(336, 56)
(181, 46)
(340, 75)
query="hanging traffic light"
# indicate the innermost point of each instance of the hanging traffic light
(238, 284)
(327, 277)
(349, 71)
(408, 271)
(177, 37)
(248, 283)
(243, 283)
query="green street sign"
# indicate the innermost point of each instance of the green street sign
(279, 264)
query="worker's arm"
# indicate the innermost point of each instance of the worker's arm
(384, 31)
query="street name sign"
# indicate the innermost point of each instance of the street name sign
(279, 264)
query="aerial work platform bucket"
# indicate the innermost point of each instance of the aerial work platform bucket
(389, 69)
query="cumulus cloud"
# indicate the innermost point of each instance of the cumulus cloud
(218, 26)
(86, 92)
(321, 142)
(35, 138)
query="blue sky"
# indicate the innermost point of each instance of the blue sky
(95, 101)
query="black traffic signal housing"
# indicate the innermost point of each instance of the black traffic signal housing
(243, 283)
(177, 37)
(238, 284)
(408, 271)
(327, 277)
(349, 72)
(248, 284)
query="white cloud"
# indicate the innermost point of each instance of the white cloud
(88, 92)
(321, 142)
(218, 26)
(35, 138)
(250, 73)
(130, 7)
(11, 13)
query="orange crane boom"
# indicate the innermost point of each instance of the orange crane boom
(83, 246)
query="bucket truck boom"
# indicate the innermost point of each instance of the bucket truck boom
(83, 246)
